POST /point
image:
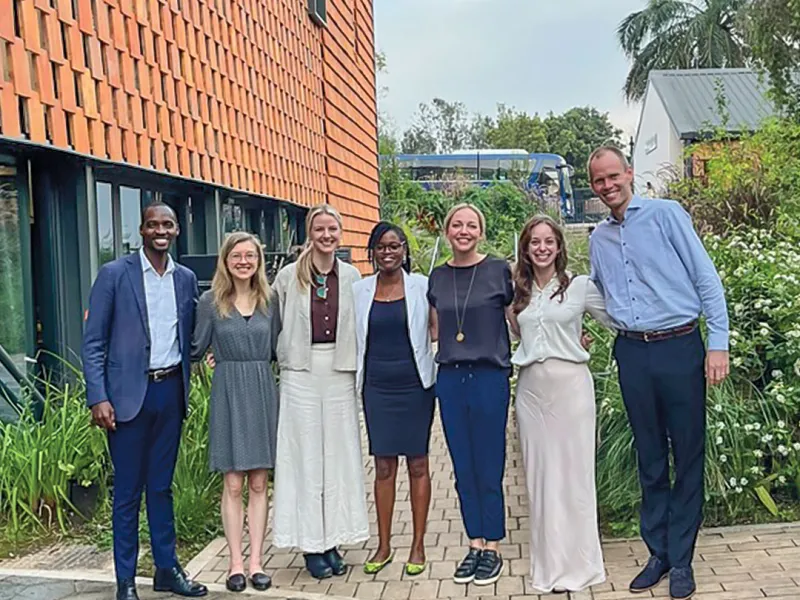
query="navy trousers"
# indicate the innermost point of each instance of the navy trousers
(664, 389)
(473, 402)
(144, 452)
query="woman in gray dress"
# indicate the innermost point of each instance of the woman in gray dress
(240, 322)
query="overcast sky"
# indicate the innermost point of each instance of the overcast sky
(535, 55)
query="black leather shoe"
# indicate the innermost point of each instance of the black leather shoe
(650, 576)
(174, 580)
(260, 581)
(681, 583)
(126, 590)
(335, 562)
(465, 572)
(318, 566)
(236, 582)
(490, 566)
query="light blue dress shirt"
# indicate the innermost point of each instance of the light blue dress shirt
(655, 273)
(162, 314)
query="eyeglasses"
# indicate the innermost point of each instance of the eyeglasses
(322, 286)
(237, 256)
(393, 248)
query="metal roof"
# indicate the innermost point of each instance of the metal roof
(690, 99)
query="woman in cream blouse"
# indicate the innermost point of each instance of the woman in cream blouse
(555, 407)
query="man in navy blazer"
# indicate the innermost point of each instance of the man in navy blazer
(136, 346)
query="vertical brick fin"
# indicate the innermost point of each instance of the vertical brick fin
(249, 94)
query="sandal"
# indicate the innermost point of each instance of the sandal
(373, 568)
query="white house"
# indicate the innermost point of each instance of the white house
(680, 105)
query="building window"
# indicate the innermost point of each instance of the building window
(130, 201)
(105, 222)
(318, 11)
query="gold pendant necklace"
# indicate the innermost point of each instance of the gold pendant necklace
(460, 337)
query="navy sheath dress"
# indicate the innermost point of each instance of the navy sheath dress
(398, 410)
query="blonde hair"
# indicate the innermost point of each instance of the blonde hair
(305, 266)
(478, 213)
(222, 286)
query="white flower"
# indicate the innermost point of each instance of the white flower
(748, 427)
(718, 407)
(781, 479)
(781, 424)
(743, 481)
(733, 342)
(720, 425)
(719, 440)
(783, 450)
(757, 426)
(758, 453)
(755, 470)
(766, 439)
(738, 308)
(723, 458)
(796, 445)
(738, 361)
(732, 481)
(781, 398)
(738, 490)
(777, 374)
(764, 331)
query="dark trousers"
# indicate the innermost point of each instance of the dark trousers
(473, 402)
(664, 389)
(144, 452)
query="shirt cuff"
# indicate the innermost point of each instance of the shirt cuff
(718, 341)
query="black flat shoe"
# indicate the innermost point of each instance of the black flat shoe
(317, 566)
(335, 562)
(236, 582)
(174, 580)
(260, 581)
(126, 590)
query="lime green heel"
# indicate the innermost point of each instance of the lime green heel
(413, 569)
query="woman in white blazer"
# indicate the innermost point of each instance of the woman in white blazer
(395, 374)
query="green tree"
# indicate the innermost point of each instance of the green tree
(441, 127)
(576, 133)
(674, 34)
(517, 130)
(774, 33)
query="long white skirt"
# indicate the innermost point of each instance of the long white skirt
(320, 499)
(555, 407)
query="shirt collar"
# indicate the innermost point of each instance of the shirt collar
(636, 203)
(147, 266)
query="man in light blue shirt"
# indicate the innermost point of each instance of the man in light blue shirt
(657, 280)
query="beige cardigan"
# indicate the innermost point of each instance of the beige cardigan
(294, 341)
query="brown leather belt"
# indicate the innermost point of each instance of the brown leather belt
(157, 375)
(664, 334)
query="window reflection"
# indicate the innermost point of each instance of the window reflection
(12, 305)
(130, 201)
(105, 222)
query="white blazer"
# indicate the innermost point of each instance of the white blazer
(418, 310)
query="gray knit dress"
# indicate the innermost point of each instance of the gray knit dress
(243, 418)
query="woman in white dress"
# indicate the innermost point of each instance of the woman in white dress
(555, 406)
(320, 498)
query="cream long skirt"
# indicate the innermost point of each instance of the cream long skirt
(555, 407)
(320, 498)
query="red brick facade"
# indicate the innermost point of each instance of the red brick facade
(246, 94)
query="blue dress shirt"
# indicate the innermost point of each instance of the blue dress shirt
(655, 273)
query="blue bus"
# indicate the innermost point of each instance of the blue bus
(546, 175)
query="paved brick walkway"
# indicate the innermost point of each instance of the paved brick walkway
(731, 564)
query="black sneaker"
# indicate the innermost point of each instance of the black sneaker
(649, 577)
(489, 569)
(465, 572)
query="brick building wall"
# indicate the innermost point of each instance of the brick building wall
(247, 94)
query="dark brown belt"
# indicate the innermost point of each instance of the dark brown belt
(157, 375)
(664, 334)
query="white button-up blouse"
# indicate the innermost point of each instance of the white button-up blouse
(550, 328)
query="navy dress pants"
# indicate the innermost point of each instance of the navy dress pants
(473, 402)
(143, 452)
(664, 389)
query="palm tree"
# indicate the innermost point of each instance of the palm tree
(671, 34)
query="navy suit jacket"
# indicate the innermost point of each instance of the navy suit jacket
(116, 337)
